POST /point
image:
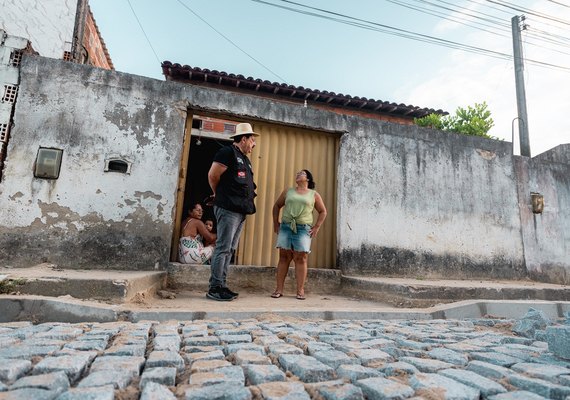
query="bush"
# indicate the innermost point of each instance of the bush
(473, 121)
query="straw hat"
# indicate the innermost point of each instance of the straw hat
(243, 129)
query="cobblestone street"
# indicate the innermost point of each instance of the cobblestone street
(285, 358)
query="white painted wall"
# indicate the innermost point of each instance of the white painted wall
(48, 24)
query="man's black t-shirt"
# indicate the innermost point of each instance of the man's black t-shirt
(236, 189)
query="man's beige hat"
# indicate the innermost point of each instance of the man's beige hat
(243, 129)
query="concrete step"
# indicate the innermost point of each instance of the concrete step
(104, 285)
(399, 292)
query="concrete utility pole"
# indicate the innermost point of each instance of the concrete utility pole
(516, 22)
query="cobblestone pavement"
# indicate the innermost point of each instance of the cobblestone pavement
(274, 358)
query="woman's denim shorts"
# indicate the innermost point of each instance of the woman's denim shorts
(288, 240)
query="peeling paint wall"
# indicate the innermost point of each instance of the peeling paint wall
(424, 203)
(411, 201)
(48, 24)
(88, 217)
(546, 235)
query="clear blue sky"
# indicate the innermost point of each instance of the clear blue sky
(263, 41)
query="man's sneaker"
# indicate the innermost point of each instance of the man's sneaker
(219, 294)
(231, 292)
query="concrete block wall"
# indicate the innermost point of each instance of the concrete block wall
(89, 218)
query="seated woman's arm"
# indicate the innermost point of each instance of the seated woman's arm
(209, 237)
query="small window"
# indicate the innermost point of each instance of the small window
(48, 163)
(229, 128)
(67, 56)
(119, 165)
(196, 124)
(10, 92)
(4, 133)
(16, 58)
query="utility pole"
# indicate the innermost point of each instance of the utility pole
(517, 23)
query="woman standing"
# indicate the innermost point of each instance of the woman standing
(197, 242)
(296, 229)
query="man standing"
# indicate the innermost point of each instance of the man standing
(231, 180)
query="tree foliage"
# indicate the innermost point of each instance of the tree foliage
(473, 121)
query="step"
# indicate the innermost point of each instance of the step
(103, 285)
(399, 292)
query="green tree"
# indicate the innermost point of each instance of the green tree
(473, 121)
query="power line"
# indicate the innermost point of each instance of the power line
(374, 26)
(231, 41)
(142, 29)
(511, 6)
(560, 4)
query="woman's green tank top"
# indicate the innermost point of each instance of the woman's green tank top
(298, 208)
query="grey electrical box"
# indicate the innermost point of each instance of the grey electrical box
(48, 163)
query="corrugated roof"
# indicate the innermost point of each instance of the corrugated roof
(186, 73)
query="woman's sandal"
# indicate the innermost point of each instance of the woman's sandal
(276, 295)
(300, 296)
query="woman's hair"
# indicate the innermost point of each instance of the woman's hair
(310, 179)
(193, 206)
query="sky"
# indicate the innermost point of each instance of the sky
(353, 50)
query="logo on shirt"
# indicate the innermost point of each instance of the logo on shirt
(239, 160)
(241, 174)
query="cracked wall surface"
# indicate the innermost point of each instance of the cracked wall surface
(88, 217)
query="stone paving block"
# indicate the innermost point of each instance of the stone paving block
(243, 357)
(87, 337)
(356, 372)
(349, 346)
(308, 369)
(32, 342)
(129, 341)
(539, 386)
(23, 352)
(166, 329)
(425, 364)
(118, 379)
(331, 339)
(165, 359)
(208, 365)
(73, 366)
(201, 341)
(89, 355)
(256, 374)
(60, 334)
(371, 357)
(239, 331)
(190, 329)
(163, 375)
(232, 348)
(398, 368)
(233, 374)
(334, 358)
(558, 338)
(486, 386)
(383, 388)
(502, 360)
(89, 393)
(445, 388)
(267, 340)
(156, 391)
(448, 356)
(489, 370)
(210, 355)
(229, 339)
(315, 347)
(55, 381)
(379, 343)
(86, 345)
(517, 395)
(201, 349)
(464, 347)
(522, 355)
(133, 365)
(412, 344)
(166, 343)
(532, 320)
(126, 350)
(29, 393)
(542, 371)
(3, 387)
(283, 348)
(283, 391)
(518, 340)
(337, 390)
(564, 380)
(10, 370)
(7, 342)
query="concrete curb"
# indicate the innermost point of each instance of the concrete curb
(40, 309)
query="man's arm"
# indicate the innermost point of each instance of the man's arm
(215, 174)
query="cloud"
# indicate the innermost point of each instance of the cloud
(469, 78)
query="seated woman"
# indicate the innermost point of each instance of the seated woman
(197, 242)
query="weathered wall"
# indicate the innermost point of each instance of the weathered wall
(411, 201)
(89, 217)
(425, 203)
(48, 24)
(546, 235)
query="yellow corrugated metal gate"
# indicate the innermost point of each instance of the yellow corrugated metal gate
(281, 151)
